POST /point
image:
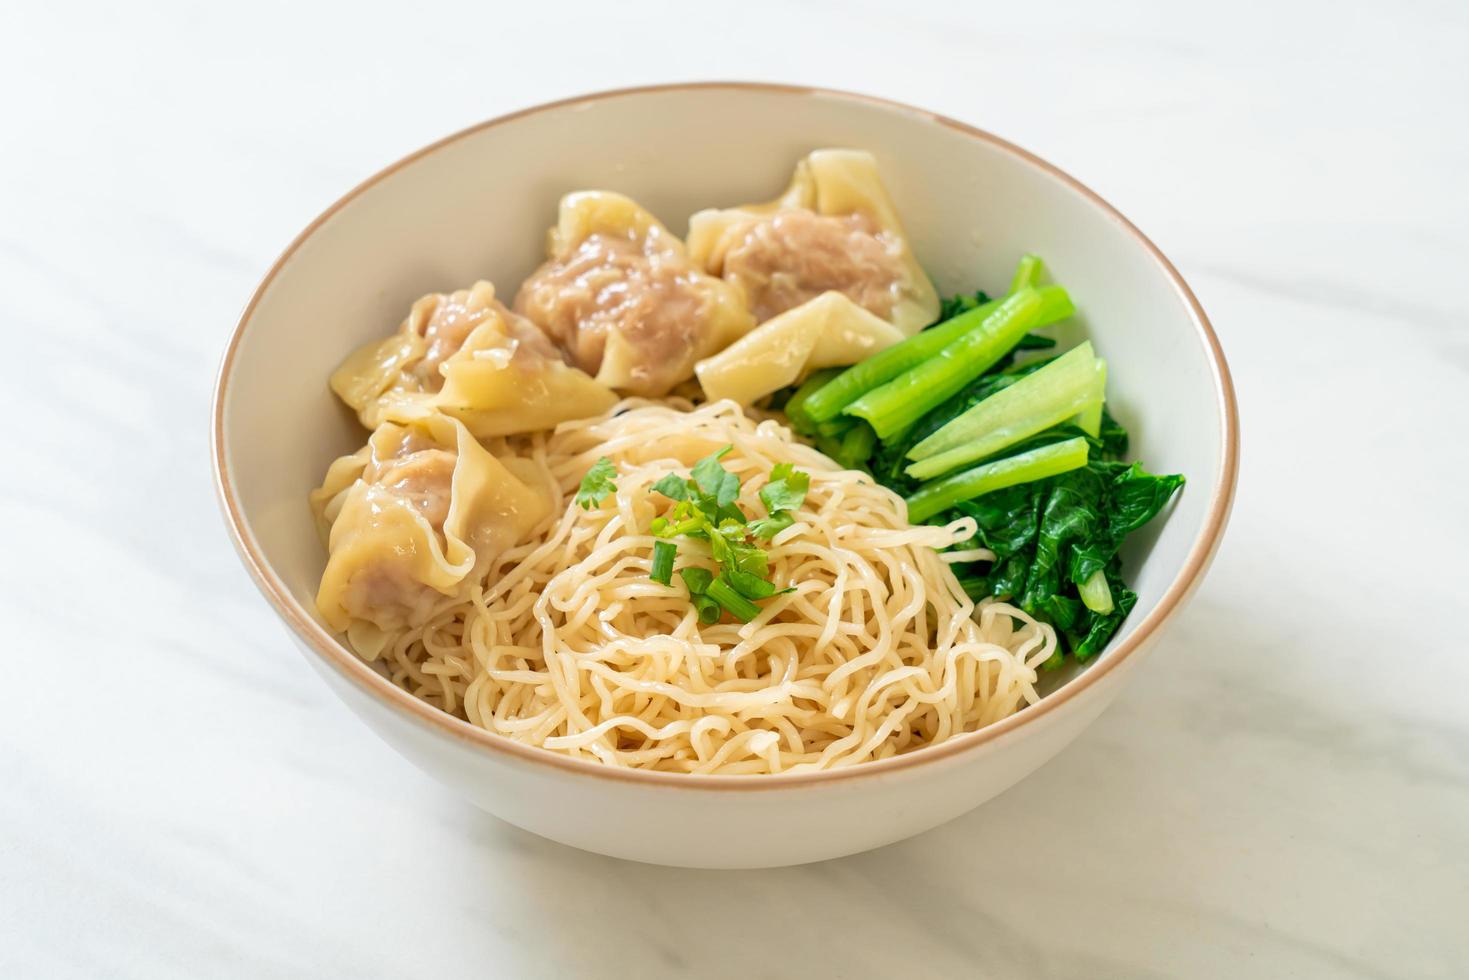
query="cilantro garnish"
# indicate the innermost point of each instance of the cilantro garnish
(704, 508)
(597, 485)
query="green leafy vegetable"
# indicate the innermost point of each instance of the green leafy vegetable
(732, 549)
(1113, 437)
(830, 399)
(961, 303)
(1053, 536)
(597, 485)
(1095, 593)
(1055, 532)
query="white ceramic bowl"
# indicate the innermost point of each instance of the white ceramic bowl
(477, 204)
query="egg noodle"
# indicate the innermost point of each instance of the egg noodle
(568, 645)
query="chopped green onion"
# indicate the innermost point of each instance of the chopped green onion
(905, 399)
(1037, 464)
(696, 578)
(1032, 404)
(663, 554)
(735, 604)
(750, 586)
(709, 610)
(1096, 594)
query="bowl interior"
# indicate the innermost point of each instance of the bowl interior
(478, 206)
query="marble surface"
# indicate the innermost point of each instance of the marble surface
(1283, 790)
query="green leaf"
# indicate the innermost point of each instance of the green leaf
(730, 515)
(714, 480)
(672, 486)
(769, 527)
(786, 490)
(731, 550)
(1112, 439)
(597, 485)
(955, 305)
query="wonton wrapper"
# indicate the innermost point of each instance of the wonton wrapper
(833, 183)
(619, 295)
(828, 331)
(388, 564)
(490, 368)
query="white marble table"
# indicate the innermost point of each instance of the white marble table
(1284, 791)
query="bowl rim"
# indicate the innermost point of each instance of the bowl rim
(348, 665)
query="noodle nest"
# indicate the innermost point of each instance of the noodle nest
(565, 643)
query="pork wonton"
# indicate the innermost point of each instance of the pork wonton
(834, 228)
(466, 355)
(408, 518)
(619, 295)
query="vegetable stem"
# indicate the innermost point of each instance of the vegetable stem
(1033, 404)
(905, 399)
(1096, 594)
(797, 407)
(857, 445)
(1037, 464)
(1089, 419)
(1026, 273)
(885, 365)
